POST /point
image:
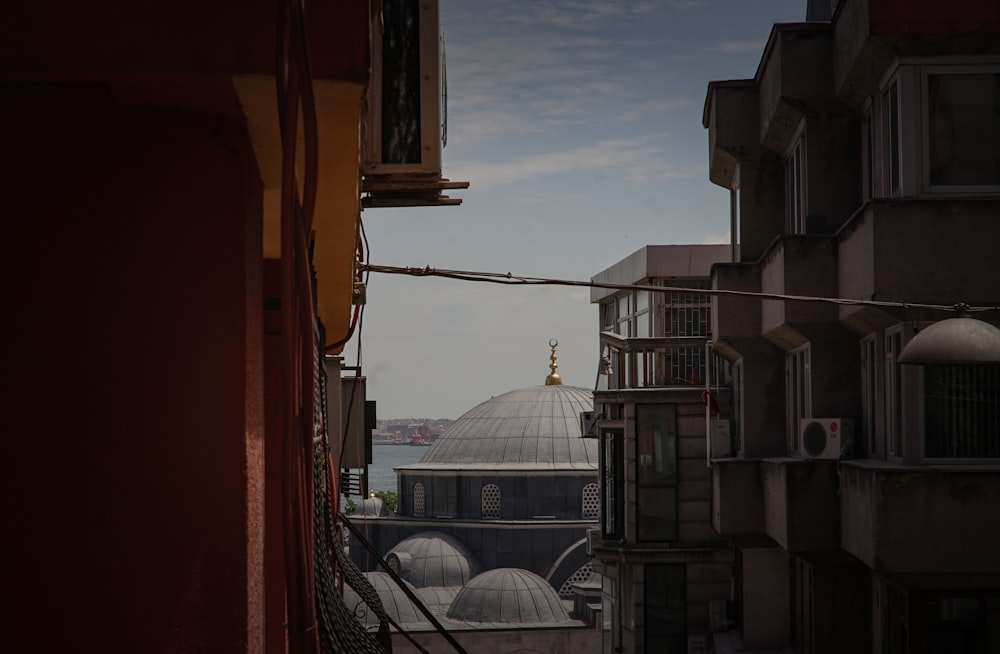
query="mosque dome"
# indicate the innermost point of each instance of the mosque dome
(536, 428)
(508, 595)
(397, 605)
(433, 558)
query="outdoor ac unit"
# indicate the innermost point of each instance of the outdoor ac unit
(405, 114)
(825, 438)
(593, 538)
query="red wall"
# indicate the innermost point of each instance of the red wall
(134, 462)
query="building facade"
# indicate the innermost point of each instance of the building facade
(184, 186)
(663, 568)
(862, 164)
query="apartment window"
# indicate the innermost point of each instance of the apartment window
(684, 313)
(963, 129)
(665, 607)
(798, 393)
(611, 470)
(656, 473)
(962, 412)
(418, 500)
(869, 145)
(591, 501)
(869, 392)
(893, 395)
(795, 182)
(736, 418)
(491, 501)
(891, 140)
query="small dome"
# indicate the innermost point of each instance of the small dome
(433, 558)
(528, 428)
(372, 507)
(397, 605)
(508, 595)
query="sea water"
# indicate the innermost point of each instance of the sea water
(385, 458)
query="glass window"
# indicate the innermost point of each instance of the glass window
(870, 153)
(893, 399)
(665, 606)
(795, 181)
(591, 501)
(869, 394)
(890, 113)
(656, 474)
(611, 466)
(963, 122)
(962, 412)
(797, 393)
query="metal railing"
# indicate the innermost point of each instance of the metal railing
(661, 362)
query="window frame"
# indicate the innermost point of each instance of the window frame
(798, 393)
(612, 477)
(871, 363)
(659, 489)
(796, 183)
(893, 387)
(924, 72)
(988, 371)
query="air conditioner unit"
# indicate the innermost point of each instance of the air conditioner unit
(593, 539)
(825, 438)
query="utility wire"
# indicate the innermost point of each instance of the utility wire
(521, 280)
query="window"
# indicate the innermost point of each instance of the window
(798, 393)
(491, 501)
(665, 608)
(869, 392)
(963, 129)
(795, 186)
(734, 217)
(656, 473)
(891, 140)
(611, 468)
(591, 501)
(962, 412)
(736, 418)
(418, 500)
(893, 393)
(869, 144)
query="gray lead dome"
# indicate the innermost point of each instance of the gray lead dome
(508, 595)
(528, 428)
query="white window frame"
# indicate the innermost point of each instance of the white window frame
(910, 75)
(871, 359)
(798, 392)
(925, 72)
(892, 382)
(796, 182)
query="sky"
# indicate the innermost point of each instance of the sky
(578, 125)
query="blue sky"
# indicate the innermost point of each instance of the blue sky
(578, 125)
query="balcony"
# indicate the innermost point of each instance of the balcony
(737, 497)
(664, 362)
(952, 239)
(910, 519)
(800, 503)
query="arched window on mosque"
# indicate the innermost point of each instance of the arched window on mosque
(591, 501)
(491, 501)
(418, 500)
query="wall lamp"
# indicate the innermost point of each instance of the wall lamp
(954, 341)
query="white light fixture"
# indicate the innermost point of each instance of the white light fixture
(954, 341)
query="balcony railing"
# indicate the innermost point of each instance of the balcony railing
(661, 362)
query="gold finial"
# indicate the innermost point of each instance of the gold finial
(553, 379)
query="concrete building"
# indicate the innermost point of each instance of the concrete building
(182, 190)
(663, 568)
(862, 497)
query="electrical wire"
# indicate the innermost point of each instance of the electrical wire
(521, 280)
